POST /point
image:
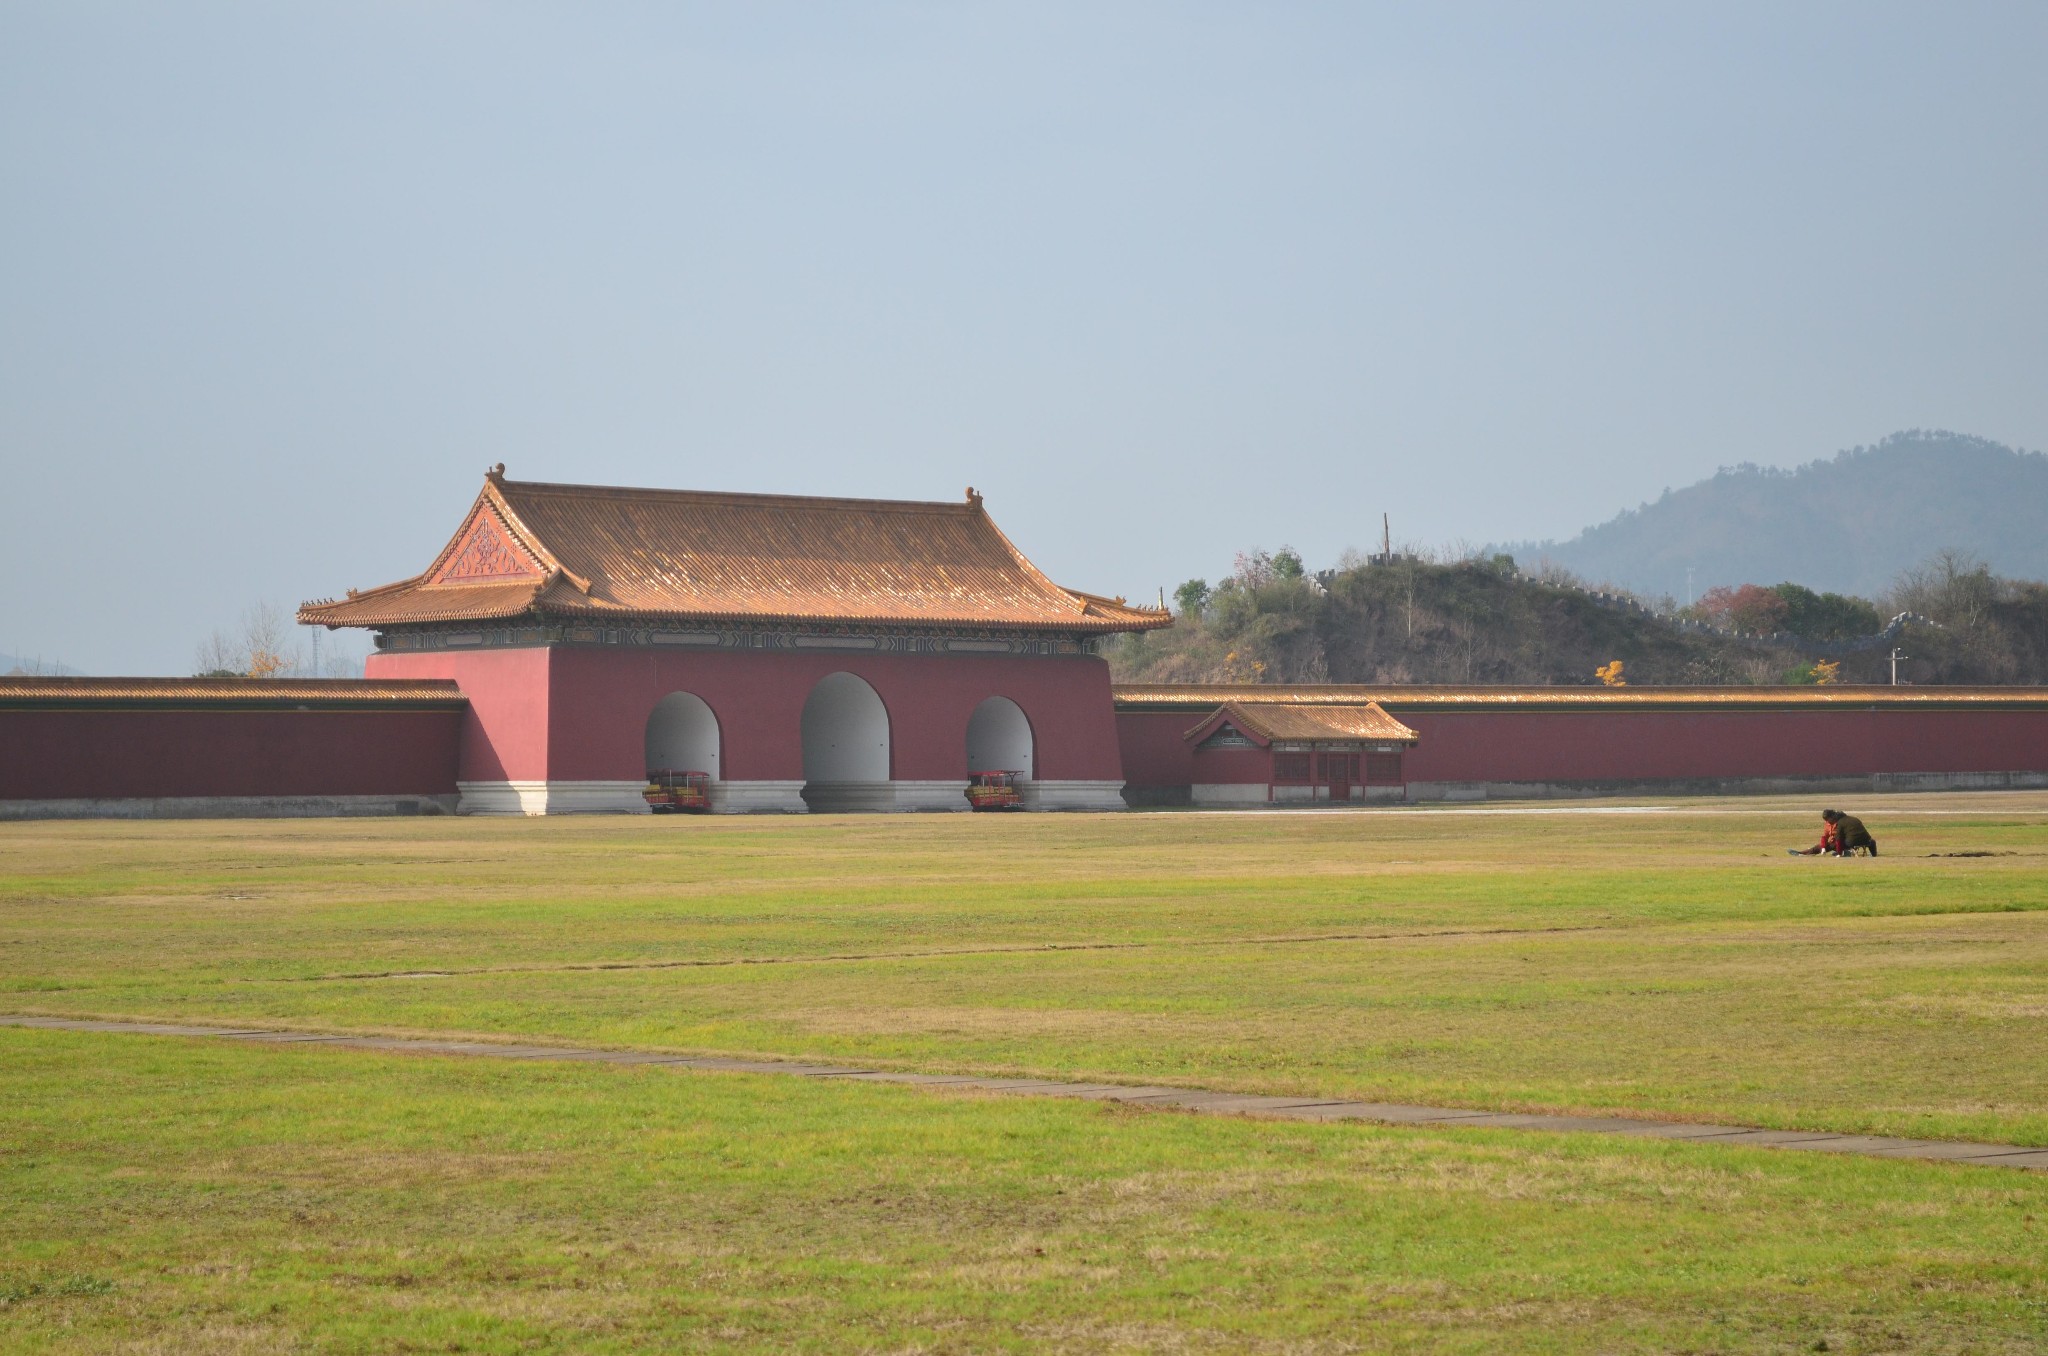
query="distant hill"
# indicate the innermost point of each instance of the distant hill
(1847, 525)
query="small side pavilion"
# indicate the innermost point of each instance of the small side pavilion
(1251, 752)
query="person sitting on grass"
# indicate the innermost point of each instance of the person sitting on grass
(1840, 835)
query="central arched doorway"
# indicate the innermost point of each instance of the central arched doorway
(999, 739)
(846, 746)
(682, 735)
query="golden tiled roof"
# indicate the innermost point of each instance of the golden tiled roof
(18, 691)
(594, 553)
(1179, 696)
(1286, 721)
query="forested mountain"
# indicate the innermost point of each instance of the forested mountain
(1846, 525)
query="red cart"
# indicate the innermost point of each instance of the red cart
(678, 793)
(993, 791)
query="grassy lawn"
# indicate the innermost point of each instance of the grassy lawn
(160, 1194)
(1676, 964)
(170, 1195)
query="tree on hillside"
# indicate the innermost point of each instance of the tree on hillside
(1751, 609)
(1955, 588)
(1826, 616)
(1987, 629)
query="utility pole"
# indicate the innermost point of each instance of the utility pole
(1897, 655)
(1688, 586)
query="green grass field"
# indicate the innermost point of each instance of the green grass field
(160, 1194)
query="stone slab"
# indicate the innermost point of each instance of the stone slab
(1510, 1120)
(1094, 1092)
(1392, 1113)
(1854, 1144)
(1582, 1125)
(1680, 1130)
(1775, 1139)
(769, 1066)
(132, 1028)
(1949, 1151)
(1023, 1087)
(1235, 1102)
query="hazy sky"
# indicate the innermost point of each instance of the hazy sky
(278, 282)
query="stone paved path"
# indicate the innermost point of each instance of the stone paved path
(1185, 1099)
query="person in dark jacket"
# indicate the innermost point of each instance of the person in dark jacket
(1840, 835)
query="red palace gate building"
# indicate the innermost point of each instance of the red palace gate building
(807, 654)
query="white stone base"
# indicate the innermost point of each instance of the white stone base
(227, 807)
(1229, 793)
(1053, 794)
(940, 795)
(884, 797)
(758, 798)
(1447, 790)
(552, 798)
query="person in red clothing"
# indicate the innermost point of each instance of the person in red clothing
(1840, 835)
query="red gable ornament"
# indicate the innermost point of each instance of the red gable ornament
(486, 553)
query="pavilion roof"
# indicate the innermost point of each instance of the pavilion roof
(1271, 721)
(604, 554)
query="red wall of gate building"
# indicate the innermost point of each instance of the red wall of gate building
(580, 714)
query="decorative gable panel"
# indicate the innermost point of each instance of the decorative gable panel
(1227, 736)
(486, 554)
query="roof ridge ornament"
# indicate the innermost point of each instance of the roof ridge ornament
(973, 498)
(496, 472)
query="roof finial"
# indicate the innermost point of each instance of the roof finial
(973, 497)
(496, 472)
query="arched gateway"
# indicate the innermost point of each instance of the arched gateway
(846, 746)
(682, 736)
(848, 646)
(999, 739)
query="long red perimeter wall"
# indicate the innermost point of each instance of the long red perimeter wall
(101, 739)
(114, 739)
(1590, 737)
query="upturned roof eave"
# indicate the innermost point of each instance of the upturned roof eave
(323, 615)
